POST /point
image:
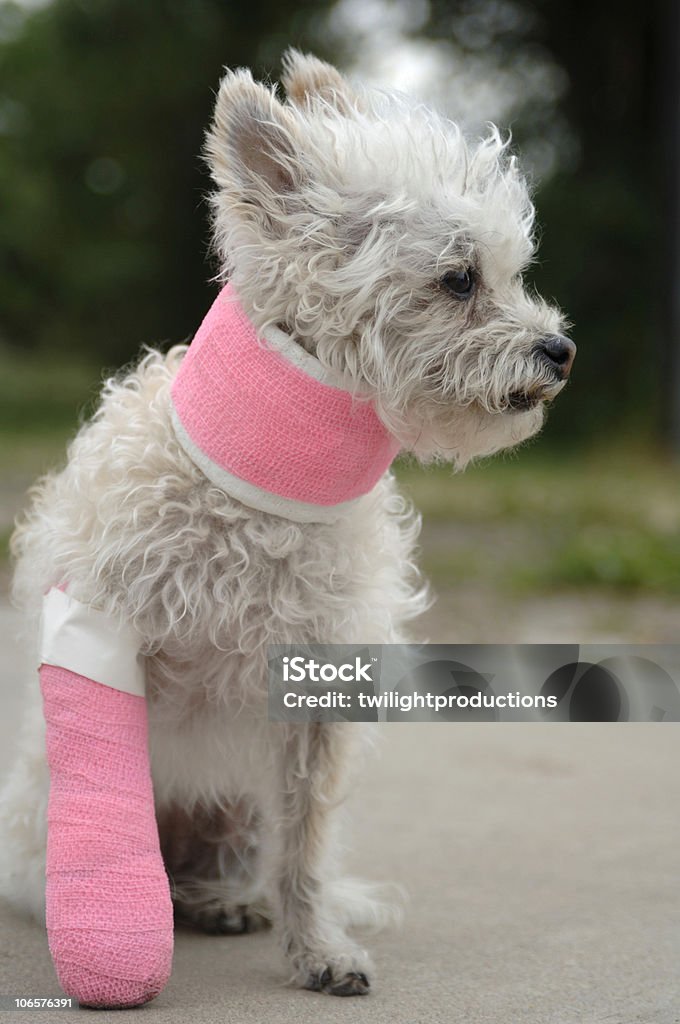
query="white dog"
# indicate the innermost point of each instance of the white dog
(363, 230)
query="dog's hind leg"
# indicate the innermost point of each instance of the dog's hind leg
(323, 957)
(212, 856)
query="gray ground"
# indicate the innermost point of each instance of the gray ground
(541, 864)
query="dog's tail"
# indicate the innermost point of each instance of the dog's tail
(371, 906)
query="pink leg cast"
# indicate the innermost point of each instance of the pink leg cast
(109, 914)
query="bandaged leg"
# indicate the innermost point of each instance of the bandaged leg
(109, 913)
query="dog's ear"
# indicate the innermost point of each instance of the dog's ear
(252, 143)
(305, 77)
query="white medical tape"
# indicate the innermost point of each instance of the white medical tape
(90, 643)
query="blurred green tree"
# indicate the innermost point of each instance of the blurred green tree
(604, 224)
(104, 236)
(103, 105)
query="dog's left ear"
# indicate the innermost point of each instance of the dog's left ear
(306, 78)
(252, 147)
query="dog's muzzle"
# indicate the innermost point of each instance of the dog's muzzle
(555, 354)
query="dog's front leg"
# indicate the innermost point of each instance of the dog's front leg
(323, 957)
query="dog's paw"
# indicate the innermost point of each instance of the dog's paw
(344, 975)
(353, 983)
(220, 920)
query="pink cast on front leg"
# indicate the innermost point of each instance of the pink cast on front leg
(109, 913)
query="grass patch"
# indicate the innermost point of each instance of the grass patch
(40, 395)
(611, 558)
(601, 519)
(575, 490)
(42, 400)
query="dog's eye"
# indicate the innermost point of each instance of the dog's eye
(460, 283)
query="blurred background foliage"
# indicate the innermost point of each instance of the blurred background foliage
(104, 235)
(103, 105)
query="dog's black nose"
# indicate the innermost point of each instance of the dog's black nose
(559, 352)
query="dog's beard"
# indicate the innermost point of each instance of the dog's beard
(530, 398)
(461, 433)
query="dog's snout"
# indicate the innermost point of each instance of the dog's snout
(559, 352)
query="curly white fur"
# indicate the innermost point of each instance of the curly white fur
(335, 215)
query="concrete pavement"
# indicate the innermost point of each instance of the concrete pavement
(542, 867)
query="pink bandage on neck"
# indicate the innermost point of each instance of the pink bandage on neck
(269, 425)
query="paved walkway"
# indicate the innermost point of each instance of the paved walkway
(542, 867)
